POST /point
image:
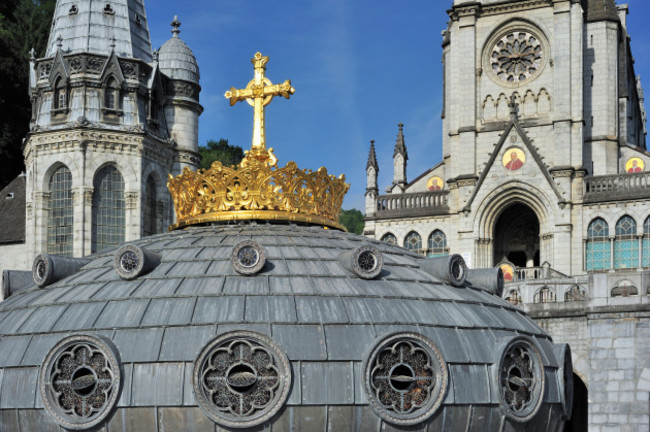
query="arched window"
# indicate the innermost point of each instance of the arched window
(150, 223)
(413, 242)
(59, 221)
(111, 95)
(513, 297)
(598, 251)
(108, 209)
(575, 293)
(646, 243)
(626, 247)
(437, 244)
(60, 94)
(544, 295)
(389, 238)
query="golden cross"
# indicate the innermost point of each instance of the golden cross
(258, 93)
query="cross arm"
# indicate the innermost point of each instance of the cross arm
(238, 95)
(283, 89)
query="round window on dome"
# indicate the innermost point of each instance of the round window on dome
(129, 261)
(405, 378)
(367, 262)
(248, 257)
(241, 379)
(42, 270)
(80, 381)
(521, 379)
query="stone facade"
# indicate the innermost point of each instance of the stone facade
(553, 150)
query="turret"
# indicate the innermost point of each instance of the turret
(372, 169)
(400, 156)
(182, 108)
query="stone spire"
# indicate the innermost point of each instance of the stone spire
(372, 157)
(400, 147)
(89, 26)
(400, 156)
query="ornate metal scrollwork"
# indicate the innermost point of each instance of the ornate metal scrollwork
(80, 381)
(406, 378)
(521, 379)
(241, 379)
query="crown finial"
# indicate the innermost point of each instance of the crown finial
(257, 189)
(176, 24)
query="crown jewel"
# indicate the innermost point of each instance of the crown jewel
(257, 189)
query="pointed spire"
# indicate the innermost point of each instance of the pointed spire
(372, 157)
(176, 24)
(400, 147)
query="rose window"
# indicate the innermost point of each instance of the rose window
(516, 56)
(241, 379)
(247, 257)
(80, 381)
(406, 379)
(521, 380)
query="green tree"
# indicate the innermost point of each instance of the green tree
(220, 151)
(352, 220)
(24, 24)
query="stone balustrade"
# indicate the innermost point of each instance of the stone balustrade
(413, 204)
(617, 187)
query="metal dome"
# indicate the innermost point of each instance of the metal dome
(287, 326)
(176, 59)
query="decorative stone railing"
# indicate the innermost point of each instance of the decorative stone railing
(524, 273)
(412, 204)
(617, 186)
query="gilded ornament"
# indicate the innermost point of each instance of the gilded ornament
(257, 189)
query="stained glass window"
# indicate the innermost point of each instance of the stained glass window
(413, 241)
(598, 249)
(150, 223)
(108, 209)
(646, 243)
(59, 222)
(437, 244)
(389, 238)
(626, 247)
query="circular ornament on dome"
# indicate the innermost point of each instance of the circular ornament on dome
(129, 261)
(367, 262)
(405, 378)
(42, 270)
(521, 379)
(248, 257)
(241, 379)
(80, 381)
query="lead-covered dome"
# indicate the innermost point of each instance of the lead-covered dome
(176, 59)
(296, 327)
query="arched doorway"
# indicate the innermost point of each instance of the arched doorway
(516, 236)
(579, 417)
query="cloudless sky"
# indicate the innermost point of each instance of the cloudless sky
(359, 68)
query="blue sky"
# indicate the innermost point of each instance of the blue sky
(359, 68)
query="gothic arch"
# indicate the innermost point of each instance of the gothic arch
(490, 208)
(129, 175)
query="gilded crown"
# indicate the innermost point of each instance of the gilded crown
(257, 189)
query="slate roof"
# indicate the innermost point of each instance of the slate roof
(12, 212)
(324, 317)
(177, 61)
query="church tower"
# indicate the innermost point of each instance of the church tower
(108, 126)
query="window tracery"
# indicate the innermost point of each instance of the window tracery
(598, 245)
(60, 215)
(521, 380)
(437, 244)
(413, 242)
(626, 246)
(108, 209)
(389, 238)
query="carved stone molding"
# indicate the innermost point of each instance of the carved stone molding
(131, 200)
